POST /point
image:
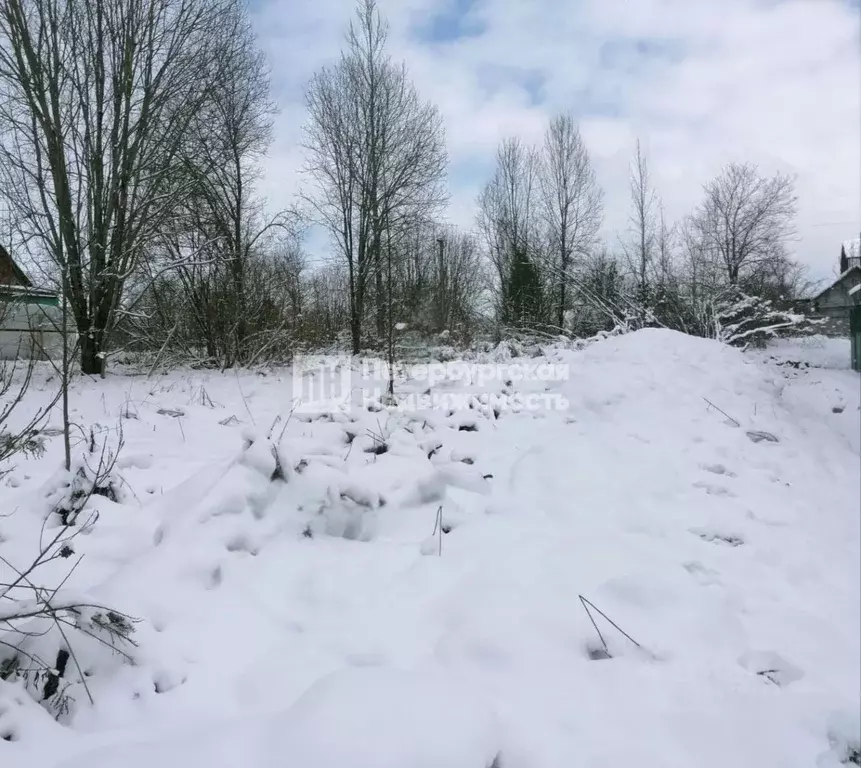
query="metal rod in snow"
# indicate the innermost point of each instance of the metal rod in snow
(723, 412)
(615, 625)
(583, 602)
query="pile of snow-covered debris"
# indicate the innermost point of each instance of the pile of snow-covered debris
(644, 551)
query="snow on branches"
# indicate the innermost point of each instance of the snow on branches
(741, 320)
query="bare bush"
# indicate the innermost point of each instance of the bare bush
(45, 629)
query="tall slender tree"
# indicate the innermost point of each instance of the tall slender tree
(572, 203)
(643, 228)
(223, 225)
(509, 223)
(375, 156)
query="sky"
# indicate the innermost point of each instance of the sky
(700, 82)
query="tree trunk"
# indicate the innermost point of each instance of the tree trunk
(356, 332)
(380, 291)
(563, 280)
(91, 359)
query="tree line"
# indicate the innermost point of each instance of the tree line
(135, 135)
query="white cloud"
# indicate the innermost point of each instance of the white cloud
(702, 82)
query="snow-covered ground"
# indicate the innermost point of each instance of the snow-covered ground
(300, 608)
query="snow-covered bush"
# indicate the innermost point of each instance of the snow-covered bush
(742, 320)
(24, 437)
(92, 473)
(52, 639)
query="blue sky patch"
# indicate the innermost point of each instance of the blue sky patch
(455, 20)
(493, 78)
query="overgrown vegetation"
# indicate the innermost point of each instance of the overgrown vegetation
(130, 161)
(53, 638)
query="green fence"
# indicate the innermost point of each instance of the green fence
(855, 332)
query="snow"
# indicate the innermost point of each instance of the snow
(818, 351)
(852, 248)
(299, 605)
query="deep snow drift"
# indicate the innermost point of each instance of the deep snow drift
(300, 606)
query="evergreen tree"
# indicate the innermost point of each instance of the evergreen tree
(524, 290)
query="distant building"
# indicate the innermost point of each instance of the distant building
(834, 303)
(850, 254)
(30, 317)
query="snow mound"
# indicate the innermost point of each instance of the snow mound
(380, 586)
(387, 719)
(362, 718)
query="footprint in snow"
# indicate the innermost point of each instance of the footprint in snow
(163, 682)
(714, 490)
(720, 538)
(757, 436)
(718, 469)
(702, 574)
(241, 543)
(214, 578)
(7, 732)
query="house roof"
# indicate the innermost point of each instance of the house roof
(852, 248)
(16, 270)
(840, 279)
(26, 290)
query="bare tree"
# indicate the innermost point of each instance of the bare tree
(327, 306)
(229, 136)
(375, 155)
(572, 201)
(663, 266)
(509, 225)
(458, 281)
(746, 219)
(640, 247)
(96, 97)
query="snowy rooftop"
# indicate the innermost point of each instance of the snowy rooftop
(852, 248)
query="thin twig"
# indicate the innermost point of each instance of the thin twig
(437, 527)
(242, 395)
(74, 658)
(723, 412)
